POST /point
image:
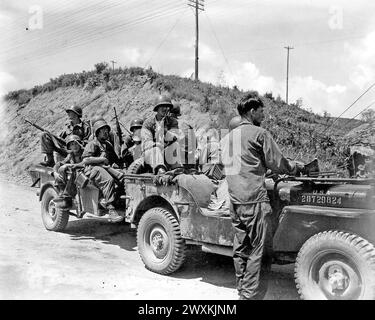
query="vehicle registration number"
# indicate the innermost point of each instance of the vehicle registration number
(320, 199)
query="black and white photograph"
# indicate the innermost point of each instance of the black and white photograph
(200, 152)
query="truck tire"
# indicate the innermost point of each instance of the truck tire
(136, 167)
(336, 265)
(159, 241)
(54, 219)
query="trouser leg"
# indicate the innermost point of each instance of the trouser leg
(49, 145)
(240, 251)
(117, 174)
(173, 155)
(104, 181)
(253, 246)
(154, 157)
(70, 188)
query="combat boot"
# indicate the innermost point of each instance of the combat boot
(49, 161)
(113, 216)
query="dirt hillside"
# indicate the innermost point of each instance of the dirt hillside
(132, 91)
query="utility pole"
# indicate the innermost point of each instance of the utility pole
(113, 65)
(197, 5)
(287, 72)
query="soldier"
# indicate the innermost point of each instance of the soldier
(248, 151)
(98, 156)
(67, 166)
(187, 139)
(111, 137)
(132, 142)
(159, 135)
(208, 155)
(175, 111)
(75, 126)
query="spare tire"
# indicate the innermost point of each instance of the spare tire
(138, 166)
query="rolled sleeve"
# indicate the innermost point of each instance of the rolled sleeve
(274, 158)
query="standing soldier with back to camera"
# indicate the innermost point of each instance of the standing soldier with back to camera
(74, 126)
(248, 151)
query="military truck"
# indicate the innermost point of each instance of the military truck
(325, 225)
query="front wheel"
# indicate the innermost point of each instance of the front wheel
(54, 219)
(335, 265)
(159, 241)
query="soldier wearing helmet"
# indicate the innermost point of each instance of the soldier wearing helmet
(111, 136)
(187, 138)
(159, 136)
(132, 142)
(64, 171)
(175, 111)
(74, 126)
(99, 157)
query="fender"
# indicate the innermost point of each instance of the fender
(44, 187)
(299, 223)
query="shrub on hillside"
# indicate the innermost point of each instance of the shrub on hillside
(100, 67)
(24, 97)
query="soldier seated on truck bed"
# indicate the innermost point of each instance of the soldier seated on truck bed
(131, 149)
(64, 171)
(159, 138)
(98, 156)
(75, 126)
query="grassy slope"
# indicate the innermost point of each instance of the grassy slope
(202, 105)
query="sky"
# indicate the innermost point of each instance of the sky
(241, 42)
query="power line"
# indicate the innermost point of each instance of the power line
(368, 107)
(79, 36)
(221, 48)
(349, 107)
(102, 34)
(165, 38)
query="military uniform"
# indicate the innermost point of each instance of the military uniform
(66, 184)
(102, 177)
(153, 132)
(131, 150)
(49, 145)
(248, 151)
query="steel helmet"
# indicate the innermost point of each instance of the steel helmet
(136, 123)
(163, 100)
(176, 110)
(100, 123)
(234, 122)
(73, 138)
(77, 110)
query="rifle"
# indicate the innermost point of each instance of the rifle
(118, 128)
(46, 131)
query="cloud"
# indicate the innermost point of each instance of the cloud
(132, 56)
(7, 83)
(317, 95)
(363, 61)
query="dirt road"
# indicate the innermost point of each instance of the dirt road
(96, 260)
